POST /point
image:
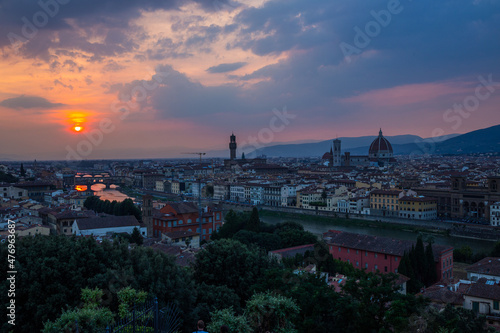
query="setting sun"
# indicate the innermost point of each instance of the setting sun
(78, 128)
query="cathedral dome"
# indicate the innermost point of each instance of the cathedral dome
(380, 147)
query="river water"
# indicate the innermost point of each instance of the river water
(318, 228)
(109, 194)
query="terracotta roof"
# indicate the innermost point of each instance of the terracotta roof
(418, 199)
(377, 244)
(443, 295)
(488, 265)
(180, 234)
(482, 290)
(386, 192)
(108, 222)
(184, 207)
(380, 144)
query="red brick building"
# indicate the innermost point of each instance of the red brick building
(374, 253)
(184, 217)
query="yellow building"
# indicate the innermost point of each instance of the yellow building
(420, 208)
(32, 230)
(385, 202)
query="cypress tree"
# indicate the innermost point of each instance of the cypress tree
(254, 221)
(420, 259)
(431, 266)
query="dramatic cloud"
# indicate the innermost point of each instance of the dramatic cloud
(28, 102)
(342, 67)
(224, 68)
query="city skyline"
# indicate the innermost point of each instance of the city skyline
(197, 70)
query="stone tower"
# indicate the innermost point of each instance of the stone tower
(336, 153)
(232, 147)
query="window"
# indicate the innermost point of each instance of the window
(340, 249)
(395, 258)
(376, 267)
(357, 251)
(495, 305)
(366, 253)
(366, 265)
(357, 263)
(189, 221)
(375, 255)
(385, 256)
(385, 269)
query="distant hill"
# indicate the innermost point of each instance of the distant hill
(486, 140)
(319, 148)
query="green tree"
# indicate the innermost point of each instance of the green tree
(406, 268)
(420, 262)
(268, 312)
(431, 272)
(496, 250)
(53, 269)
(233, 223)
(212, 298)
(456, 320)
(127, 298)
(7, 178)
(22, 172)
(293, 237)
(136, 237)
(228, 317)
(370, 298)
(316, 299)
(230, 263)
(264, 240)
(463, 254)
(253, 223)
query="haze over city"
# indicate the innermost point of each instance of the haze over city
(170, 76)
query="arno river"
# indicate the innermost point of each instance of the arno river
(318, 228)
(109, 194)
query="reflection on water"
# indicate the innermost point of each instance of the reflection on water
(318, 228)
(109, 194)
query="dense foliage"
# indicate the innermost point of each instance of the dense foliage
(466, 255)
(7, 178)
(126, 207)
(418, 264)
(248, 229)
(62, 279)
(51, 271)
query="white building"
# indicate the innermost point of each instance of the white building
(237, 192)
(483, 297)
(9, 191)
(488, 268)
(221, 191)
(256, 194)
(101, 226)
(495, 214)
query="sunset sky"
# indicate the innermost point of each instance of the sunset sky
(154, 78)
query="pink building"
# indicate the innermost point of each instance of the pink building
(374, 253)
